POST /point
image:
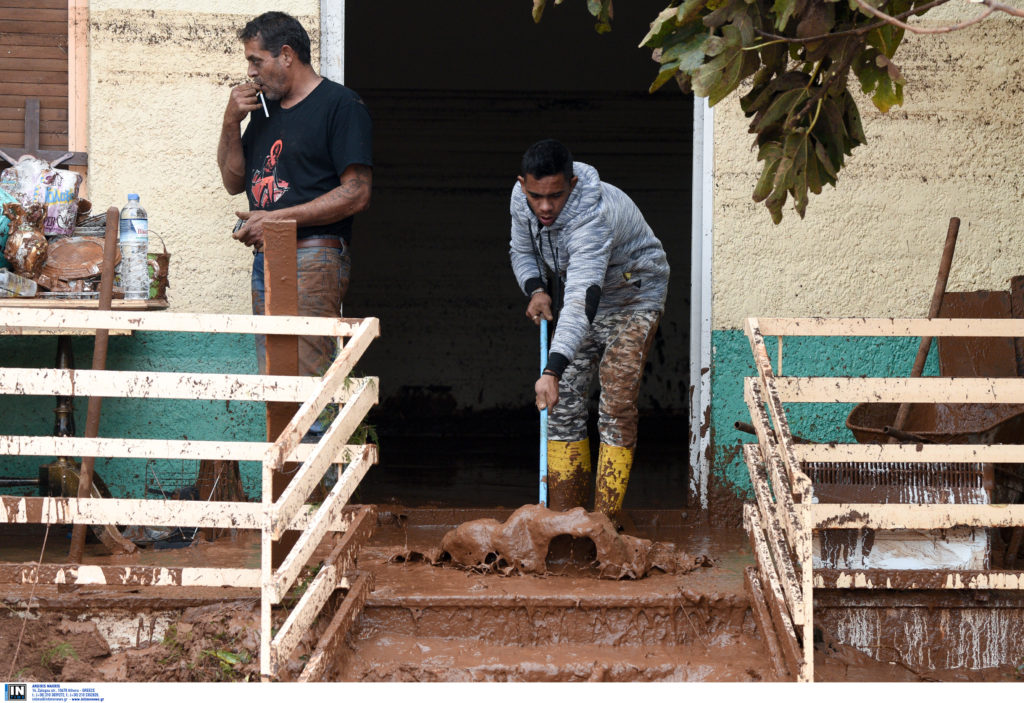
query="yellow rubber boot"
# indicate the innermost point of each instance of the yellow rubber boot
(568, 473)
(613, 465)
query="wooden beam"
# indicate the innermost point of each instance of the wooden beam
(770, 450)
(90, 574)
(325, 515)
(776, 542)
(336, 376)
(325, 655)
(897, 453)
(334, 568)
(939, 579)
(890, 327)
(168, 384)
(111, 447)
(897, 516)
(764, 621)
(45, 314)
(312, 470)
(133, 511)
(776, 601)
(934, 389)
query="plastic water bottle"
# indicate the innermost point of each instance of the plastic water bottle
(133, 239)
(14, 286)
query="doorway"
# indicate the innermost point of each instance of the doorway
(456, 96)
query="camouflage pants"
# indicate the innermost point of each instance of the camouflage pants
(616, 346)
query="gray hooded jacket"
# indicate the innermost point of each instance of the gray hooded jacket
(605, 254)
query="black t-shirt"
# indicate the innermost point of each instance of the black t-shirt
(297, 154)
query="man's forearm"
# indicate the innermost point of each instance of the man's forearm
(351, 197)
(230, 158)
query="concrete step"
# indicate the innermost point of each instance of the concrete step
(394, 658)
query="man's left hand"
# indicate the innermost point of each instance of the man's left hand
(546, 389)
(251, 233)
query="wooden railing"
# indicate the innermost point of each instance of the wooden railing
(271, 517)
(782, 521)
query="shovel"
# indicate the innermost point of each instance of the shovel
(543, 419)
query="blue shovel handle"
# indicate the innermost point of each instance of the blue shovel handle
(543, 418)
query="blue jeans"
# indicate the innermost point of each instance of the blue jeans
(323, 275)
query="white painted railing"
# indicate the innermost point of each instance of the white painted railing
(272, 518)
(783, 519)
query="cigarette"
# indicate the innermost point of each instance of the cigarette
(263, 102)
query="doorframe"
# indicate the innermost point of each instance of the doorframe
(332, 40)
(702, 184)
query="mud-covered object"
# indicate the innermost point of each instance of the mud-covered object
(71, 259)
(522, 542)
(157, 267)
(34, 182)
(26, 246)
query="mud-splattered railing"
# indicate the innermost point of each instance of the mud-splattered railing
(783, 520)
(289, 512)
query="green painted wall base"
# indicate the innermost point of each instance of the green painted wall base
(732, 361)
(134, 418)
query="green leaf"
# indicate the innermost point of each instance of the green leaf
(778, 110)
(689, 10)
(851, 118)
(689, 53)
(783, 10)
(886, 39)
(766, 181)
(668, 70)
(661, 27)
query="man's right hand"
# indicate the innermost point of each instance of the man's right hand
(242, 101)
(540, 306)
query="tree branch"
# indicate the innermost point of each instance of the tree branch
(1015, 11)
(855, 31)
(933, 30)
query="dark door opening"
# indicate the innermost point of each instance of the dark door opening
(456, 95)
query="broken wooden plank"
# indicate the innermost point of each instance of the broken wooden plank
(325, 655)
(928, 389)
(324, 517)
(939, 579)
(764, 621)
(896, 516)
(334, 568)
(890, 327)
(312, 470)
(110, 447)
(164, 384)
(138, 575)
(775, 539)
(45, 314)
(776, 601)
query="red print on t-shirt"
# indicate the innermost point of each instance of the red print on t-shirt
(267, 188)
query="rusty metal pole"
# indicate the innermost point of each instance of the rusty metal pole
(99, 363)
(933, 311)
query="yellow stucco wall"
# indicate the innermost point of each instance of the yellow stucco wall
(872, 245)
(160, 73)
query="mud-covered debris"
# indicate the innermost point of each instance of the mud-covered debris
(522, 544)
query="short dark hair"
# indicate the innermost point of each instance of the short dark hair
(274, 30)
(548, 157)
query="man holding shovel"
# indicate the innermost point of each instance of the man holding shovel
(573, 230)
